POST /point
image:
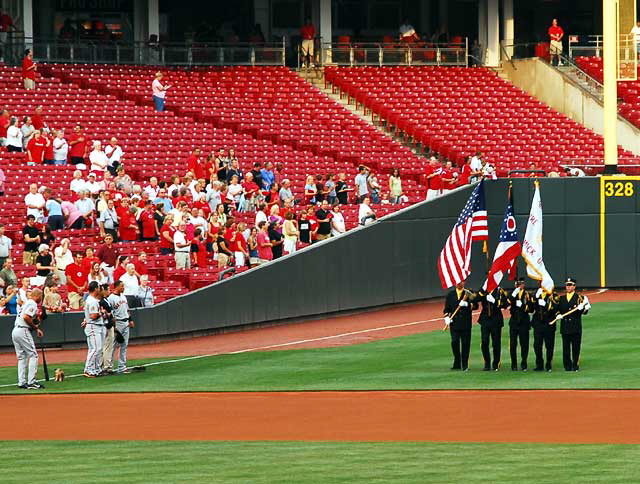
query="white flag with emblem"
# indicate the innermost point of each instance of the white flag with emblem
(532, 244)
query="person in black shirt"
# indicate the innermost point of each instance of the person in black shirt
(519, 324)
(31, 236)
(257, 174)
(342, 189)
(320, 191)
(491, 323)
(323, 214)
(458, 306)
(275, 237)
(304, 227)
(46, 236)
(571, 307)
(225, 256)
(44, 261)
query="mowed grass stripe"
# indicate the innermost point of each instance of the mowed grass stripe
(315, 462)
(609, 360)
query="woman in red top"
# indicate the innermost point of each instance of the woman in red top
(36, 148)
(166, 235)
(128, 228)
(5, 120)
(89, 260)
(199, 249)
(148, 219)
(48, 152)
(121, 267)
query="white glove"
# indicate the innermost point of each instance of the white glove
(585, 300)
(542, 302)
(519, 303)
(587, 307)
(463, 304)
(580, 306)
(515, 292)
(558, 317)
(490, 298)
(539, 292)
(447, 320)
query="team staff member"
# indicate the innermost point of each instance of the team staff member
(519, 325)
(118, 302)
(545, 311)
(571, 325)
(457, 309)
(25, 325)
(555, 36)
(94, 329)
(491, 322)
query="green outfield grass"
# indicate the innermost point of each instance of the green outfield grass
(309, 462)
(609, 360)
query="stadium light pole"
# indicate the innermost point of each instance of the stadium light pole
(610, 45)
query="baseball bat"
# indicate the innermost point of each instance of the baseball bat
(44, 363)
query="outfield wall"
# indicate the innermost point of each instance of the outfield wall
(395, 261)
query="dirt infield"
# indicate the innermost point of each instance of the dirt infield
(338, 331)
(440, 416)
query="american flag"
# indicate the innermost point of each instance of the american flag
(504, 260)
(454, 264)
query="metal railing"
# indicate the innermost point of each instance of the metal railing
(165, 54)
(387, 54)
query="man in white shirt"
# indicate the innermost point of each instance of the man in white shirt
(476, 167)
(198, 219)
(5, 246)
(365, 214)
(91, 185)
(85, 205)
(22, 337)
(35, 203)
(261, 215)
(77, 184)
(152, 188)
(120, 310)
(573, 171)
(131, 285)
(636, 32)
(114, 155)
(181, 247)
(60, 149)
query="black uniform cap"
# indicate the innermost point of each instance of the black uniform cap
(570, 280)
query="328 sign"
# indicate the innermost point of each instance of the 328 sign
(618, 189)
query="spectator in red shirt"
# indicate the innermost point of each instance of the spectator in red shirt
(313, 223)
(128, 226)
(194, 165)
(307, 32)
(36, 148)
(434, 179)
(76, 281)
(449, 178)
(166, 235)
(89, 260)
(37, 119)
(5, 121)
(465, 172)
(250, 190)
(198, 249)
(264, 244)
(6, 24)
(141, 264)
(77, 145)
(29, 70)
(555, 35)
(121, 267)
(48, 152)
(147, 219)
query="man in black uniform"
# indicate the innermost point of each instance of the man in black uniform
(519, 325)
(571, 325)
(544, 312)
(457, 309)
(491, 323)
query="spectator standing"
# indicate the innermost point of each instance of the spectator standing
(275, 237)
(14, 136)
(291, 233)
(166, 235)
(36, 147)
(63, 258)
(44, 261)
(342, 189)
(310, 190)
(225, 255)
(555, 35)
(114, 155)
(55, 218)
(145, 292)
(261, 214)
(163, 199)
(98, 274)
(76, 281)
(475, 166)
(449, 178)
(337, 222)
(323, 215)
(31, 236)
(108, 255)
(307, 32)
(7, 274)
(5, 122)
(234, 170)
(77, 145)
(27, 131)
(52, 301)
(256, 171)
(635, 31)
(330, 189)
(268, 177)
(49, 136)
(159, 91)
(29, 69)
(131, 285)
(148, 223)
(98, 159)
(35, 203)
(395, 186)
(38, 121)
(362, 186)
(108, 221)
(465, 172)
(434, 182)
(250, 191)
(286, 195)
(181, 247)
(77, 183)
(374, 188)
(264, 244)
(5, 246)
(46, 236)
(10, 300)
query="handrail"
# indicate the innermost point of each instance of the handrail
(509, 58)
(568, 60)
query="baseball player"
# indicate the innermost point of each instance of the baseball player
(95, 330)
(120, 309)
(107, 316)
(26, 324)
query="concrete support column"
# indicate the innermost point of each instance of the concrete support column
(261, 16)
(27, 21)
(493, 34)
(153, 18)
(425, 18)
(140, 23)
(508, 34)
(482, 28)
(609, 40)
(325, 27)
(443, 12)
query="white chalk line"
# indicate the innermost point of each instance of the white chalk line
(282, 345)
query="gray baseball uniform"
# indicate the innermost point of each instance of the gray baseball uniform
(120, 310)
(24, 344)
(95, 332)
